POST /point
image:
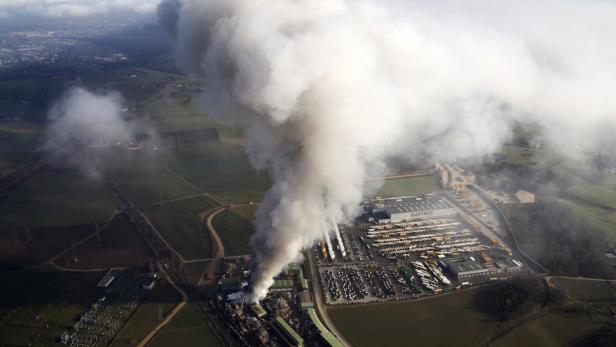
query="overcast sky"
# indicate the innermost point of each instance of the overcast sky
(74, 8)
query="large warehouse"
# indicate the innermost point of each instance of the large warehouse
(394, 210)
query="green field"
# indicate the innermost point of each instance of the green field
(33, 246)
(586, 290)
(57, 197)
(552, 330)
(19, 143)
(448, 320)
(181, 226)
(145, 181)
(234, 228)
(598, 217)
(197, 269)
(516, 155)
(119, 245)
(220, 168)
(408, 186)
(162, 299)
(189, 328)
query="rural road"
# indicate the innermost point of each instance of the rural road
(218, 249)
(169, 316)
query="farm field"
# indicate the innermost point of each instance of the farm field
(162, 299)
(187, 326)
(33, 246)
(197, 269)
(516, 155)
(552, 330)
(586, 290)
(19, 285)
(602, 194)
(145, 181)
(57, 197)
(417, 323)
(408, 186)
(601, 218)
(120, 245)
(234, 227)
(19, 143)
(180, 225)
(220, 168)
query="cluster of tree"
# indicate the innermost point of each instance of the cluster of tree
(514, 298)
(559, 240)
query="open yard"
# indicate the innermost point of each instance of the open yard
(234, 226)
(408, 186)
(415, 323)
(180, 225)
(187, 326)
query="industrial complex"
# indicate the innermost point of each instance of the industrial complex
(412, 246)
(399, 248)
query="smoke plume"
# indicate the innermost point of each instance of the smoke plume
(328, 89)
(82, 118)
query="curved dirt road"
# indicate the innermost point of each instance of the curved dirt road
(218, 249)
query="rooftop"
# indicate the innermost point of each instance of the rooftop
(289, 333)
(466, 266)
(409, 204)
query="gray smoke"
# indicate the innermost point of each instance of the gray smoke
(82, 118)
(328, 89)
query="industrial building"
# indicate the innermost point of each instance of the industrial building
(394, 210)
(258, 310)
(288, 335)
(106, 280)
(468, 267)
(326, 335)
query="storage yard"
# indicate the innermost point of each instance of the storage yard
(410, 247)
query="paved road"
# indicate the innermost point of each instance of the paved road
(402, 175)
(318, 299)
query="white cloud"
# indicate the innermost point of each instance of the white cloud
(76, 8)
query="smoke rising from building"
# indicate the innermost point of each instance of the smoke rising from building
(82, 118)
(328, 89)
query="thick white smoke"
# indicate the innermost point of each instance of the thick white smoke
(327, 89)
(82, 118)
